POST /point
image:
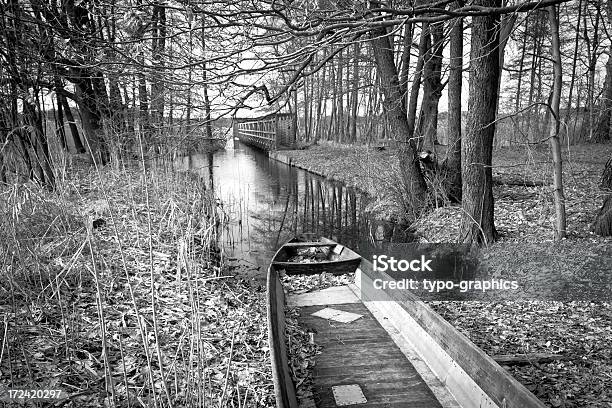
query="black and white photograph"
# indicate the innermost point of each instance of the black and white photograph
(306, 203)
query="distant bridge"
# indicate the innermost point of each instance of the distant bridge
(271, 132)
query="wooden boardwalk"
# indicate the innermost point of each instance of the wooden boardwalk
(362, 352)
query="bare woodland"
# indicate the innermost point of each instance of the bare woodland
(353, 73)
(89, 85)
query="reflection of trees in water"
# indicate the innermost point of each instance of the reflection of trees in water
(274, 220)
(333, 210)
(291, 202)
(306, 204)
(263, 203)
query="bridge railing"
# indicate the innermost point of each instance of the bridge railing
(271, 132)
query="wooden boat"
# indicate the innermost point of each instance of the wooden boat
(333, 257)
(398, 353)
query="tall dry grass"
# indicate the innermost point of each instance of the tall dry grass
(112, 289)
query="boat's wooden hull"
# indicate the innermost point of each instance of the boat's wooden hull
(463, 371)
(344, 259)
(283, 384)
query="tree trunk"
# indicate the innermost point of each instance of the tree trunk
(432, 89)
(91, 118)
(592, 65)
(158, 51)
(573, 75)
(405, 68)
(207, 117)
(507, 25)
(74, 130)
(602, 128)
(477, 224)
(39, 143)
(555, 146)
(320, 106)
(143, 97)
(339, 129)
(517, 101)
(117, 108)
(60, 130)
(603, 222)
(531, 112)
(416, 80)
(414, 188)
(354, 96)
(453, 163)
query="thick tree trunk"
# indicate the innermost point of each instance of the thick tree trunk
(555, 146)
(477, 224)
(414, 188)
(603, 221)
(453, 163)
(90, 107)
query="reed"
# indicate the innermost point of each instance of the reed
(113, 289)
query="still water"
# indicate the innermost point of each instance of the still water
(269, 202)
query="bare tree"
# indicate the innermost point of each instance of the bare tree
(395, 109)
(453, 163)
(477, 225)
(555, 100)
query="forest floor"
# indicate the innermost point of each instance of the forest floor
(579, 330)
(79, 269)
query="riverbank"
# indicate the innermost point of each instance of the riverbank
(80, 267)
(524, 215)
(521, 187)
(367, 169)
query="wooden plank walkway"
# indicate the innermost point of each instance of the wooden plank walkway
(362, 352)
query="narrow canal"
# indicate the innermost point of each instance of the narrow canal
(268, 202)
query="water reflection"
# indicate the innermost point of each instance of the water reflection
(269, 202)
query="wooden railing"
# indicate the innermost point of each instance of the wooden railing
(271, 132)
